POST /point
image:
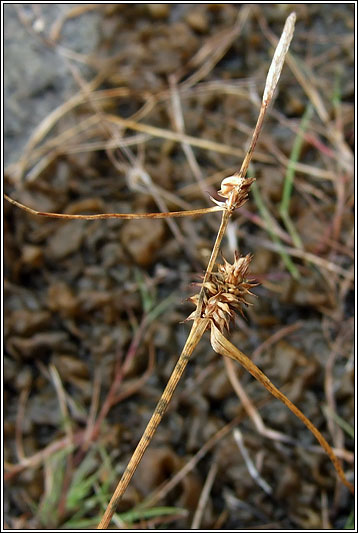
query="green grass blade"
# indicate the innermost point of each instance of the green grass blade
(289, 178)
(339, 420)
(350, 521)
(144, 514)
(337, 92)
(265, 214)
(162, 306)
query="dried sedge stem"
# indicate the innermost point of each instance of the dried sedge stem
(232, 202)
(19, 445)
(160, 492)
(205, 144)
(272, 78)
(66, 420)
(124, 216)
(50, 120)
(212, 51)
(249, 463)
(235, 189)
(249, 407)
(204, 496)
(91, 420)
(307, 256)
(214, 253)
(179, 125)
(128, 391)
(224, 347)
(76, 11)
(40, 457)
(194, 337)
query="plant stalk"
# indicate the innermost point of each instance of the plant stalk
(196, 332)
(224, 347)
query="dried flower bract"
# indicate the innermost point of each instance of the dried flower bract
(225, 292)
(236, 189)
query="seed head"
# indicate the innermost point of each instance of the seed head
(236, 189)
(226, 292)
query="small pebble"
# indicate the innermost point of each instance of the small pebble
(142, 239)
(32, 255)
(158, 11)
(23, 379)
(198, 21)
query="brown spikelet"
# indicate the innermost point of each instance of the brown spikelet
(226, 292)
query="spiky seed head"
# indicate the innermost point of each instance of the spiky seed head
(226, 292)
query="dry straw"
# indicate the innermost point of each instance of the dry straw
(222, 293)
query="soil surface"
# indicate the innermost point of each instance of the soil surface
(142, 108)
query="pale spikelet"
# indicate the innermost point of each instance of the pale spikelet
(229, 183)
(236, 189)
(226, 292)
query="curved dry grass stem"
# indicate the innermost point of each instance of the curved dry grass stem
(224, 347)
(123, 216)
(198, 516)
(249, 407)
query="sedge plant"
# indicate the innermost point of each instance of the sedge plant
(222, 293)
